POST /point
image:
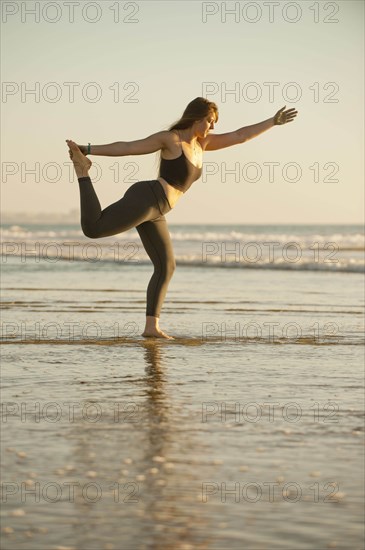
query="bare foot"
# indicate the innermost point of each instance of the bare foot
(152, 329)
(156, 333)
(81, 163)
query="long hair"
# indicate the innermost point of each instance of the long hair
(196, 110)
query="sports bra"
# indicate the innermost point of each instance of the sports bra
(179, 172)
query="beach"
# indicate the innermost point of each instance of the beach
(245, 431)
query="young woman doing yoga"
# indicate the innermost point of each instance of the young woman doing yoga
(145, 203)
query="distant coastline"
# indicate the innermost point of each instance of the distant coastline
(58, 218)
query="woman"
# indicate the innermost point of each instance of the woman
(145, 203)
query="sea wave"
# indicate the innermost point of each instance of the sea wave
(344, 240)
(349, 265)
(307, 248)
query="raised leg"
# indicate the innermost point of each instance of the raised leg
(136, 206)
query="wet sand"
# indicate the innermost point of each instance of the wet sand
(217, 439)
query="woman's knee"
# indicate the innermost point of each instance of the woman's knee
(170, 267)
(90, 230)
(166, 270)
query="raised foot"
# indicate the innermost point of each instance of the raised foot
(81, 163)
(156, 333)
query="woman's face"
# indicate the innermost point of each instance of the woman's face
(204, 125)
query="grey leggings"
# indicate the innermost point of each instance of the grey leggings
(143, 206)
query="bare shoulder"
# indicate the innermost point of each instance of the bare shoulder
(165, 138)
(171, 142)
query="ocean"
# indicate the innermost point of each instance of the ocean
(245, 431)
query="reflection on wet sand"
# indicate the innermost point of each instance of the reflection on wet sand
(149, 461)
(136, 451)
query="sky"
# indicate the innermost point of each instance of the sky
(120, 71)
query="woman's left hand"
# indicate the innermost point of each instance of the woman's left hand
(282, 117)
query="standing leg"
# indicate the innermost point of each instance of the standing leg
(156, 240)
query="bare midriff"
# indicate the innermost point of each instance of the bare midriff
(171, 192)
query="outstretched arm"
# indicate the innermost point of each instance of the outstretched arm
(150, 144)
(220, 141)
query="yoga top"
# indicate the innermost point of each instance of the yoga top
(179, 172)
